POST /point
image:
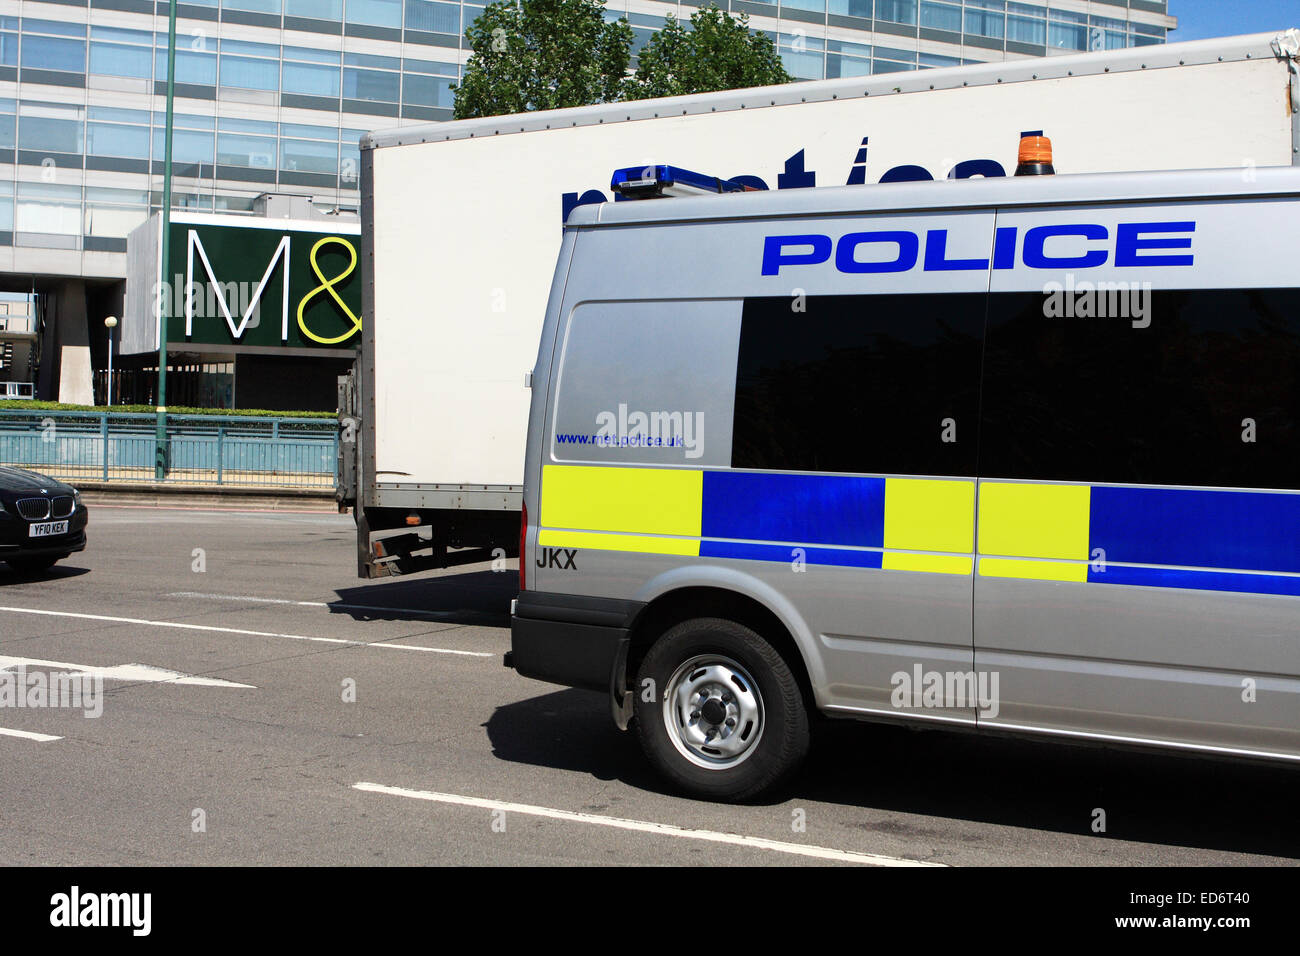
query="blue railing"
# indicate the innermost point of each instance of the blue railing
(200, 449)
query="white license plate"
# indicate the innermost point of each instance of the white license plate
(47, 529)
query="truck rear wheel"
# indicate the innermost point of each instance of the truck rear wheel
(719, 712)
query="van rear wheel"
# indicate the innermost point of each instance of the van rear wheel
(723, 717)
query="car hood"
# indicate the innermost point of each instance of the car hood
(19, 479)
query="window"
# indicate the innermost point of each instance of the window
(48, 208)
(305, 156)
(1093, 399)
(1026, 24)
(934, 60)
(311, 78)
(859, 384)
(253, 152)
(1067, 31)
(941, 16)
(851, 8)
(427, 91)
(986, 18)
(813, 6)
(56, 27)
(115, 59)
(112, 139)
(255, 6)
(192, 66)
(896, 11)
(370, 85)
(49, 53)
(249, 74)
(845, 66)
(380, 13)
(314, 9)
(52, 129)
(8, 49)
(189, 147)
(433, 17)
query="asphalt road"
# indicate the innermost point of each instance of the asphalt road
(441, 737)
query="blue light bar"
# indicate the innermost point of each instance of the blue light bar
(656, 181)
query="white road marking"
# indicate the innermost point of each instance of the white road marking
(235, 630)
(642, 826)
(405, 612)
(137, 673)
(28, 735)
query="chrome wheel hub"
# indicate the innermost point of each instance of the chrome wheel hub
(713, 712)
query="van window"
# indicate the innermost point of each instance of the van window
(867, 383)
(1098, 399)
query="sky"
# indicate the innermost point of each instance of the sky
(1199, 19)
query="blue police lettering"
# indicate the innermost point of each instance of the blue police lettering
(1130, 243)
(1136, 244)
(1035, 254)
(846, 251)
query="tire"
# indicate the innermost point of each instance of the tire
(727, 720)
(31, 565)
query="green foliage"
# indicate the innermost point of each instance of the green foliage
(33, 406)
(553, 54)
(716, 53)
(542, 55)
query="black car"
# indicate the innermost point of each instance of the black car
(42, 520)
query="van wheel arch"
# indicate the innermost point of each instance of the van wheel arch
(674, 607)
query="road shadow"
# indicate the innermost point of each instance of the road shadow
(471, 597)
(1147, 798)
(10, 576)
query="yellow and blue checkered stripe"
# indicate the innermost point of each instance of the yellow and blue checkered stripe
(1202, 539)
(891, 523)
(1243, 541)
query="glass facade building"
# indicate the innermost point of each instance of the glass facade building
(272, 96)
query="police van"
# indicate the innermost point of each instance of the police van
(1018, 455)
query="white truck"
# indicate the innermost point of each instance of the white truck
(461, 226)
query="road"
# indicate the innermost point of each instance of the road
(446, 757)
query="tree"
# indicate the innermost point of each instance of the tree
(717, 53)
(542, 55)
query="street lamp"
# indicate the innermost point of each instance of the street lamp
(110, 323)
(164, 241)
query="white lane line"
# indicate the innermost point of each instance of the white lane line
(246, 597)
(643, 826)
(405, 612)
(235, 630)
(28, 735)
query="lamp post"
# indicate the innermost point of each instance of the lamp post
(164, 242)
(110, 323)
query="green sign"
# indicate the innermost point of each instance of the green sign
(241, 285)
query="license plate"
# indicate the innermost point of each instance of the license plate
(47, 529)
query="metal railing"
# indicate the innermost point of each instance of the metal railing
(227, 450)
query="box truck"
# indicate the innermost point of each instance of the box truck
(462, 223)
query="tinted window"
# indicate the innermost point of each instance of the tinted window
(859, 384)
(1096, 399)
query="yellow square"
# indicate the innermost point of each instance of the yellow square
(925, 514)
(636, 500)
(1034, 521)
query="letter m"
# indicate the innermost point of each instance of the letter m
(195, 244)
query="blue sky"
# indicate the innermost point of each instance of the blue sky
(1198, 19)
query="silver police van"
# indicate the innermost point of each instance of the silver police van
(1018, 455)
